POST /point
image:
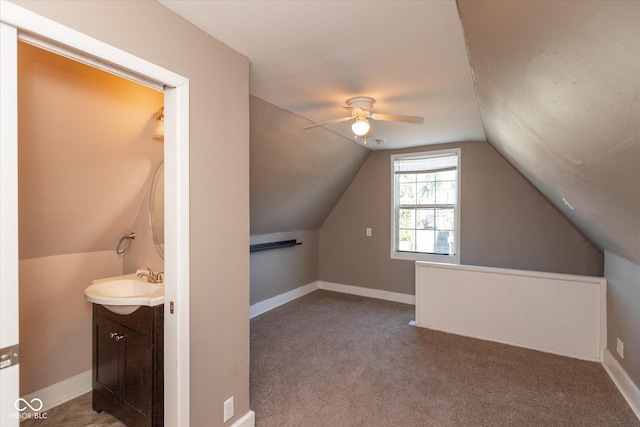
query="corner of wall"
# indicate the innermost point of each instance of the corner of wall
(277, 271)
(623, 312)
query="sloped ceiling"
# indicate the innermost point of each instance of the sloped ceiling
(85, 154)
(556, 86)
(309, 57)
(297, 177)
(559, 93)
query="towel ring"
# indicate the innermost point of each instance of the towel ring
(128, 238)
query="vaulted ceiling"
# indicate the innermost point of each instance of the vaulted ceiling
(559, 93)
(553, 86)
(309, 57)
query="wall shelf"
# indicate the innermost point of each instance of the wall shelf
(273, 245)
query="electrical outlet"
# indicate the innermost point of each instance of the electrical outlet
(368, 232)
(620, 348)
(228, 409)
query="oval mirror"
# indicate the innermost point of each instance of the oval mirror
(156, 209)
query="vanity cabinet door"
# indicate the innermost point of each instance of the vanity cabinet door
(105, 359)
(127, 365)
(136, 377)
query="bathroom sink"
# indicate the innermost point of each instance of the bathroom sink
(124, 294)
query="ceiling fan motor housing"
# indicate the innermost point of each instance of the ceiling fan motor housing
(364, 103)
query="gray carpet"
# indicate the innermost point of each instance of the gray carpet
(329, 359)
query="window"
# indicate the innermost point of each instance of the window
(426, 206)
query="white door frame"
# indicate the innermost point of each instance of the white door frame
(18, 22)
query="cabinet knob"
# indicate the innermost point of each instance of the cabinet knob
(113, 334)
(119, 337)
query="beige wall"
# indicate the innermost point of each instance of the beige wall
(55, 318)
(86, 155)
(276, 271)
(504, 221)
(219, 180)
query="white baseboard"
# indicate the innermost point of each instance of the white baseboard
(367, 292)
(273, 302)
(62, 392)
(247, 420)
(620, 378)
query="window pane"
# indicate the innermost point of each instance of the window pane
(407, 195)
(424, 241)
(446, 193)
(425, 219)
(407, 177)
(426, 177)
(407, 241)
(444, 219)
(407, 218)
(442, 245)
(426, 193)
(447, 175)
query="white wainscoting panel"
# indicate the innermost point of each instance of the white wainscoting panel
(556, 313)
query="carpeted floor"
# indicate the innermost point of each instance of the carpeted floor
(329, 359)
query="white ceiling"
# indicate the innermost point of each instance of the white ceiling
(309, 57)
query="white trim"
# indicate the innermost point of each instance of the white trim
(177, 273)
(97, 51)
(64, 391)
(95, 63)
(368, 292)
(514, 272)
(9, 266)
(247, 420)
(177, 258)
(274, 302)
(621, 379)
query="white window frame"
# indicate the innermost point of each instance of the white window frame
(418, 256)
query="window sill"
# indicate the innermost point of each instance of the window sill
(415, 256)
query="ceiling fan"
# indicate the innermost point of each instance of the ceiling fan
(361, 109)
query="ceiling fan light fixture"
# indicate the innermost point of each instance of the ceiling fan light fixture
(361, 126)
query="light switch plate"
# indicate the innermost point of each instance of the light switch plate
(228, 409)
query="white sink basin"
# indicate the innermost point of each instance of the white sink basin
(125, 294)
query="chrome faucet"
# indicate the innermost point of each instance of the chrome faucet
(151, 276)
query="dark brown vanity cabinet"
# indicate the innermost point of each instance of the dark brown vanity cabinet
(128, 380)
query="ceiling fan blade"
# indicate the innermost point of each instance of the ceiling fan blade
(330, 122)
(397, 118)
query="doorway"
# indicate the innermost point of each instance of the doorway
(86, 157)
(18, 23)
